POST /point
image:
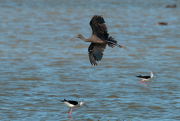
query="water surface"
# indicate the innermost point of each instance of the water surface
(38, 67)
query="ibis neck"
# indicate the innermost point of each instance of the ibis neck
(86, 40)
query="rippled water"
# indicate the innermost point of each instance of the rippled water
(38, 67)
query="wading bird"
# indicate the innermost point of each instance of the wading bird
(145, 78)
(99, 39)
(72, 104)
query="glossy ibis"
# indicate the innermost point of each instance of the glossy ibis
(145, 78)
(99, 39)
(72, 104)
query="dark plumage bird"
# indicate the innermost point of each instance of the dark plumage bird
(145, 78)
(72, 104)
(171, 6)
(99, 39)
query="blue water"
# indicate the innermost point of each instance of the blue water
(39, 68)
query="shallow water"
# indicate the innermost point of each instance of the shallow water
(38, 67)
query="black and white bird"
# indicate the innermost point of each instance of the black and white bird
(72, 104)
(145, 78)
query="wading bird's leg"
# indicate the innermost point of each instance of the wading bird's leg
(144, 83)
(140, 82)
(68, 112)
(147, 84)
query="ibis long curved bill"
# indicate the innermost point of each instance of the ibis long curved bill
(72, 38)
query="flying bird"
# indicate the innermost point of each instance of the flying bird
(145, 78)
(72, 104)
(99, 39)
